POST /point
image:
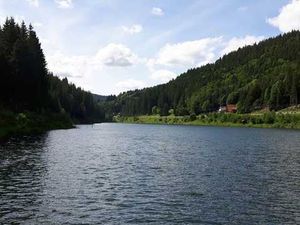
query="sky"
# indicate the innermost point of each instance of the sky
(111, 46)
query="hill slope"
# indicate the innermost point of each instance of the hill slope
(266, 74)
(31, 98)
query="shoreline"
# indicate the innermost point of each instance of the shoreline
(30, 123)
(10, 133)
(264, 126)
(176, 120)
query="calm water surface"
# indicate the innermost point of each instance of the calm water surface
(152, 174)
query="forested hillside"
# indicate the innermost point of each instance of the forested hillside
(27, 86)
(264, 75)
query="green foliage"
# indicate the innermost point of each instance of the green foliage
(30, 122)
(270, 119)
(233, 98)
(193, 117)
(79, 104)
(26, 85)
(155, 110)
(171, 112)
(254, 77)
(22, 119)
(23, 77)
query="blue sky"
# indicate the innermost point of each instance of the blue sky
(110, 46)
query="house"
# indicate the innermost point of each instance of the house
(230, 108)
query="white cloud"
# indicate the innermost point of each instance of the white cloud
(188, 53)
(116, 55)
(33, 2)
(64, 4)
(68, 66)
(112, 55)
(157, 11)
(236, 43)
(288, 18)
(185, 55)
(136, 28)
(37, 24)
(130, 84)
(163, 75)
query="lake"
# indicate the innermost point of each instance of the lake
(151, 174)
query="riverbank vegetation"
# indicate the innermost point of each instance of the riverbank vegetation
(31, 98)
(265, 120)
(27, 123)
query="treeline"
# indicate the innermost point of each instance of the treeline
(26, 84)
(79, 104)
(264, 75)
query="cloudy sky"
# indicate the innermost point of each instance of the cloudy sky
(109, 46)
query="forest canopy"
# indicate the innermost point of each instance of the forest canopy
(264, 75)
(27, 85)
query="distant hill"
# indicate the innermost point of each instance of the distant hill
(99, 98)
(254, 77)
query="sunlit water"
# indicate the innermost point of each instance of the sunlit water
(152, 174)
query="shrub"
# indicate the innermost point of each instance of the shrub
(193, 117)
(22, 119)
(269, 117)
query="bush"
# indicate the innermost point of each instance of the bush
(22, 119)
(256, 120)
(269, 117)
(193, 117)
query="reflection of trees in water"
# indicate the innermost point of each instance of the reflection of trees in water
(22, 170)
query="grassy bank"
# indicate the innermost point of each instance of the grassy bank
(265, 120)
(14, 124)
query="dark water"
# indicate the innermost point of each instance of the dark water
(152, 174)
